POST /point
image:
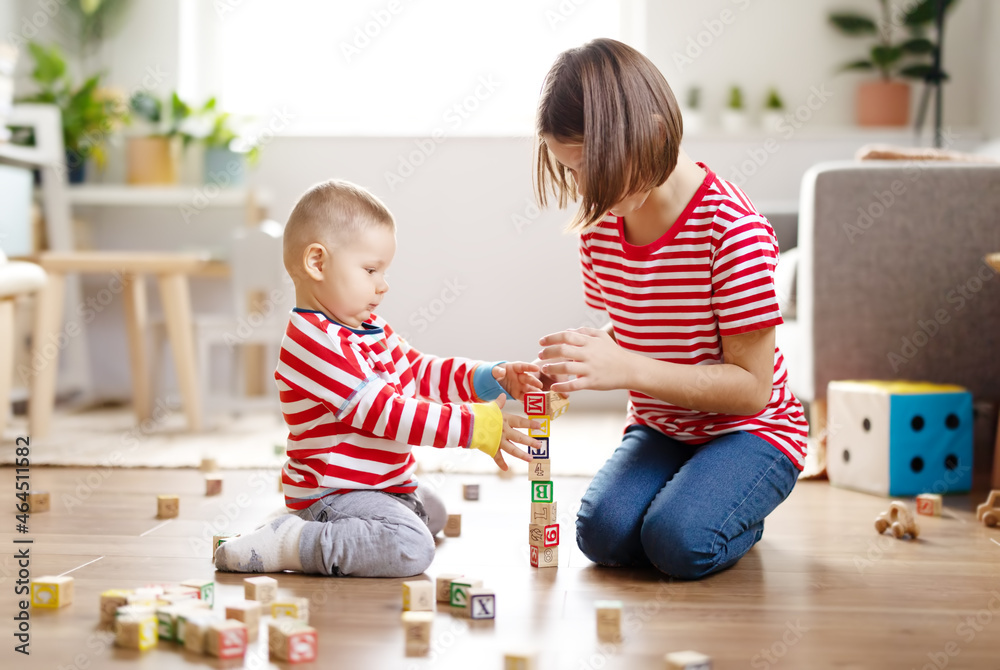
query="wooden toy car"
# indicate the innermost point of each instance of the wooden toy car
(899, 520)
(989, 511)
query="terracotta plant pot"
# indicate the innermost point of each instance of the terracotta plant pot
(152, 160)
(883, 103)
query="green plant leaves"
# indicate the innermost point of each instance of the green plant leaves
(924, 11)
(853, 24)
(917, 45)
(50, 66)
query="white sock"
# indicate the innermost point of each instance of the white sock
(271, 548)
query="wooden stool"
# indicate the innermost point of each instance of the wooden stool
(171, 271)
(16, 279)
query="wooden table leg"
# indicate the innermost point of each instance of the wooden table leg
(996, 458)
(137, 325)
(176, 299)
(6, 358)
(45, 354)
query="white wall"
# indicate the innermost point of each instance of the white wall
(990, 39)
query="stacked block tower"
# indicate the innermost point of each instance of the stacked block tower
(543, 530)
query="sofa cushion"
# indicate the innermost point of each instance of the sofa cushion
(784, 282)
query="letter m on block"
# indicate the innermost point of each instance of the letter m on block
(534, 404)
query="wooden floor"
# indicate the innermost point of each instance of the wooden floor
(821, 590)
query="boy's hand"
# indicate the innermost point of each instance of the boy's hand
(518, 378)
(510, 436)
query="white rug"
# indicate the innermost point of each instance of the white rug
(580, 443)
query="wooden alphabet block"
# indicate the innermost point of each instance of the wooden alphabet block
(443, 587)
(418, 596)
(136, 631)
(535, 404)
(551, 536)
(226, 639)
(453, 527)
(536, 535)
(460, 591)
(558, 404)
(295, 608)
(417, 632)
(209, 465)
(262, 589)
(52, 592)
(166, 622)
(540, 470)
(111, 600)
(687, 660)
(542, 492)
(249, 612)
(543, 431)
(544, 557)
(39, 501)
(930, 504)
(542, 452)
(470, 491)
(609, 620)
(192, 629)
(213, 485)
(205, 588)
(482, 603)
(218, 540)
(543, 513)
(291, 641)
(168, 506)
(518, 661)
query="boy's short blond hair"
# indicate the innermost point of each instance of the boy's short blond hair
(330, 213)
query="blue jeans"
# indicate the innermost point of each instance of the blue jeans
(689, 510)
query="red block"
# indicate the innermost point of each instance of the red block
(535, 404)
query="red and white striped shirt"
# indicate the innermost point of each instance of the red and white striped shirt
(356, 400)
(710, 275)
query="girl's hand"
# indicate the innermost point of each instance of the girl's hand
(590, 354)
(510, 436)
(518, 378)
(547, 380)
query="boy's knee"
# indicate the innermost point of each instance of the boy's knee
(416, 551)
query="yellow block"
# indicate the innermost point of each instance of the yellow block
(52, 592)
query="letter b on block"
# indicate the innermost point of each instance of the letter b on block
(542, 492)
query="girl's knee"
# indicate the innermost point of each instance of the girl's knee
(683, 548)
(602, 541)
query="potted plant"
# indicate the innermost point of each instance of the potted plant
(694, 122)
(90, 114)
(734, 117)
(153, 154)
(227, 155)
(774, 110)
(886, 100)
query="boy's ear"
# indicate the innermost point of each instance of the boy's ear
(315, 258)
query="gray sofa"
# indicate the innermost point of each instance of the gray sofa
(890, 277)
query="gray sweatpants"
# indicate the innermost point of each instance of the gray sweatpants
(371, 534)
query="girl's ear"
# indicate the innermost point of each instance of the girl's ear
(315, 259)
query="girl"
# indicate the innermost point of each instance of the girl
(683, 264)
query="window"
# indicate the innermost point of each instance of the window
(393, 67)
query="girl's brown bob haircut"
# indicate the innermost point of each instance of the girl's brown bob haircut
(609, 98)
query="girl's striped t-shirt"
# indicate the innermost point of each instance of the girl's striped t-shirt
(710, 275)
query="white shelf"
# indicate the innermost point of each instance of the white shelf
(122, 195)
(23, 156)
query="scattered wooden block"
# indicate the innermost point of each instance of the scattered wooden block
(543, 513)
(482, 603)
(262, 589)
(989, 511)
(249, 612)
(543, 431)
(226, 639)
(470, 491)
(204, 587)
(518, 661)
(558, 404)
(209, 465)
(213, 485)
(417, 632)
(166, 622)
(217, 540)
(540, 452)
(111, 600)
(418, 596)
(295, 608)
(51, 592)
(540, 470)
(443, 587)
(536, 535)
(39, 501)
(542, 492)
(192, 629)
(460, 590)
(453, 527)
(899, 520)
(609, 620)
(136, 631)
(291, 641)
(930, 504)
(168, 506)
(687, 660)
(544, 557)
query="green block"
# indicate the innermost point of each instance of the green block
(542, 492)
(460, 594)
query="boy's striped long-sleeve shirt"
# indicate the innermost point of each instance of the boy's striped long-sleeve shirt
(356, 400)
